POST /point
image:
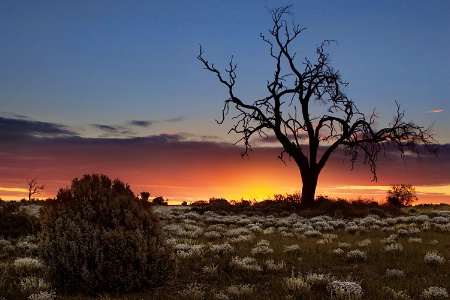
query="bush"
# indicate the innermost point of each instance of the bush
(99, 237)
(15, 222)
(401, 195)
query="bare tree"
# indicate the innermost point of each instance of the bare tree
(286, 114)
(34, 188)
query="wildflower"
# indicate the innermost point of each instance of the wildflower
(213, 235)
(240, 291)
(312, 233)
(345, 290)
(315, 279)
(263, 247)
(222, 248)
(27, 263)
(394, 273)
(356, 255)
(344, 245)
(272, 266)
(337, 251)
(291, 248)
(220, 296)
(210, 269)
(43, 295)
(295, 284)
(401, 295)
(246, 263)
(193, 292)
(33, 284)
(415, 240)
(433, 258)
(365, 243)
(395, 247)
(435, 292)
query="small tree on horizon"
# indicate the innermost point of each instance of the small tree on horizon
(286, 113)
(401, 195)
(34, 187)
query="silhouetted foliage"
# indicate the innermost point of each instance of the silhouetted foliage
(16, 222)
(286, 112)
(34, 188)
(98, 237)
(159, 201)
(145, 196)
(401, 195)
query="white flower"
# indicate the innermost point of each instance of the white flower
(193, 291)
(345, 290)
(246, 263)
(291, 248)
(240, 291)
(395, 247)
(222, 248)
(435, 292)
(272, 266)
(365, 243)
(394, 273)
(337, 251)
(263, 247)
(356, 255)
(43, 295)
(433, 258)
(27, 263)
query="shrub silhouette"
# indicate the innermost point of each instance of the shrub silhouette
(401, 195)
(99, 237)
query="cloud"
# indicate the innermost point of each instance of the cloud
(435, 111)
(20, 128)
(177, 119)
(140, 123)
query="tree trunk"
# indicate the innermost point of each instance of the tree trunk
(309, 189)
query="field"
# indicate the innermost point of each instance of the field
(224, 255)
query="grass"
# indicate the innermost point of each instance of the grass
(230, 255)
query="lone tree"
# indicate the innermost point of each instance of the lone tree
(34, 187)
(286, 112)
(401, 195)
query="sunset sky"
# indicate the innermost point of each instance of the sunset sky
(114, 87)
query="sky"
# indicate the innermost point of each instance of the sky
(114, 87)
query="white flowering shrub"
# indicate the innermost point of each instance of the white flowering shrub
(274, 266)
(433, 258)
(43, 295)
(296, 284)
(193, 292)
(394, 273)
(394, 248)
(435, 292)
(356, 255)
(345, 290)
(397, 295)
(240, 291)
(245, 263)
(262, 247)
(337, 251)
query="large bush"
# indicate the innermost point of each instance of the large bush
(99, 237)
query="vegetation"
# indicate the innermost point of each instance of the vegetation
(401, 195)
(100, 237)
(286, 113)
(238, 250)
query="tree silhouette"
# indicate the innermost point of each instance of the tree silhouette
(34, 188)
(286, 112)
(401, 195)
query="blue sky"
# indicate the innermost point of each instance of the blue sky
(127, 69)
(111, 62)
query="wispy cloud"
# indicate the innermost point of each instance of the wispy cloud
(140, 123)
(435, 111)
